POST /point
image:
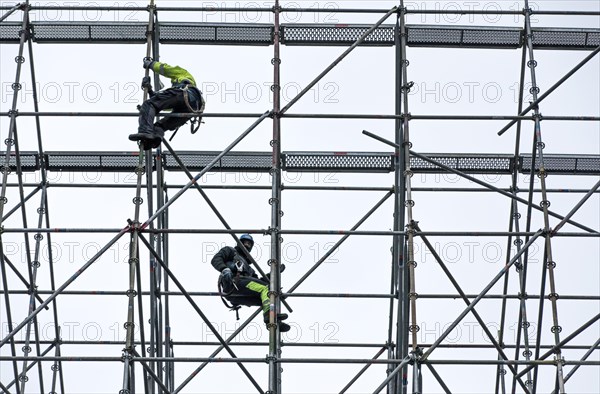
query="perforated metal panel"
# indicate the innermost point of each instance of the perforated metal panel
(504, 38)
(29, 161)
(233, 161)
(125, 161)
(364, 162)
(91, 161)
(178, 32)
(9, 32)
(337, 162)
(555, 38)
(72, 162)
(304, 34)
(593, 39)
(419, 165)
(60, 32)
(245, 34)
(82, 32)
(433, 36)
(126, 32)
(564, 164)
(480, 164)
(588, 165)
(210, 33)
(462, 36)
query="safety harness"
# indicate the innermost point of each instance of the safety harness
(239, 266)
(194, 124)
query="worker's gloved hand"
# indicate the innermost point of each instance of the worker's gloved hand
(226, 280)
(146, 83)
(227, 274)
(148, 63)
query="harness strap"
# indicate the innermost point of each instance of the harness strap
(223, 295)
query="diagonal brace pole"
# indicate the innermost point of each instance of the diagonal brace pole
(485, 329)
(338, 243)
(218, 350)
(479, 182)
(338, 60)
(18, 274)
(151, 373)
(438, 378)
(212, 206)
(585, 356)
(392, 375)
(562, 343)
(198, 310)
(481, 295)
(552, 88)
(363, 370)
(504, 193)
(576, 208)
(208, 167)
(63, 287)
(11, 11)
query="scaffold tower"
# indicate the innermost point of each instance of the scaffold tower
(427, 174)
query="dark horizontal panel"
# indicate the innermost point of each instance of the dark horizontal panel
(232, 161)
(28, 161)
(212, 33)
(472, 163)
(555, 38)
(357, 162)
(337, 162)
(340, 34)
(89, 32)
(91, 161)
(463, 36)
(202, 33)
(9, 32)
(564, 164)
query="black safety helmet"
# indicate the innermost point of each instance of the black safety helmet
(247, 241)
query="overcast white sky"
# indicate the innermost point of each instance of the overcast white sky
(96, 78)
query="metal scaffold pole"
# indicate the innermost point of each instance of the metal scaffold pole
(399, 253)
(276, 213)
(19, 379)
(134, 253)
(516, 354)
(549, 262)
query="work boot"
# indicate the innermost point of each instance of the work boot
(149, 140)
(280, 317)
(283, 327)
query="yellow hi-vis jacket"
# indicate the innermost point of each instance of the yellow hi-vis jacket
(177, 74)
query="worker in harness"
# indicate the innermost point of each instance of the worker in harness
(238, 282)
(182, 97)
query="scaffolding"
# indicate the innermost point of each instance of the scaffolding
(161, 350)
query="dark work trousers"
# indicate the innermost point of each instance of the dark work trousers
(250, 292)
(164, 99)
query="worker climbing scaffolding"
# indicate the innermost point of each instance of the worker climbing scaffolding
(239, 283)
(183, 97)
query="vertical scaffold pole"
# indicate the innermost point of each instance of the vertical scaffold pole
(400, 383)
(57, 374)
(545, 204)
(129, 351)
(413, 328)
(276, 212)
(155, 346)
(16, 86)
